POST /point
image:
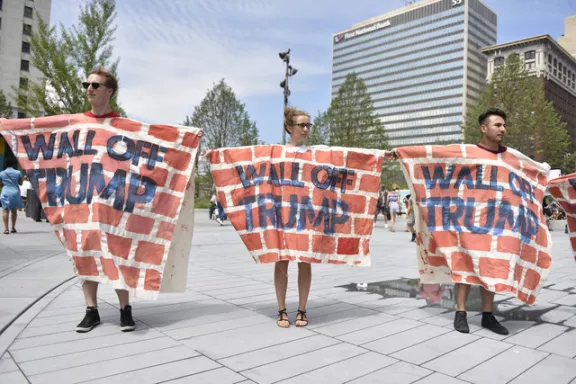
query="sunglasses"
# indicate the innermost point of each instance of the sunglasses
(94, 85)
(304, 125)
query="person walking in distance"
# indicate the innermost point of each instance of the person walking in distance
(381, 206)
(100, 87)
(493, 129)
(10, 180)
(393, 203)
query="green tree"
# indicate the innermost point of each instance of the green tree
(6, 109)
(352, 121)
(224, 119)
(320, 131)
(65, 57)
(532, 126)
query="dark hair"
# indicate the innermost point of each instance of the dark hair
(110, 82)
(491, 112)
(11, 163)
(289, 115)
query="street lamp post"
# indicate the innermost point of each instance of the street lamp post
(290, 71)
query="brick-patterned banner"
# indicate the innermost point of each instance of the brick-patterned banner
(479, 217)
(563, 189)
(313, 205)
(118, 194)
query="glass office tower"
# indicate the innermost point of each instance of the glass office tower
(422, 65)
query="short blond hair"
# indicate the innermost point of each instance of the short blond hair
(289, 114)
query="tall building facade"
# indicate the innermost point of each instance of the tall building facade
(568, 39)
(18, 19)
(422, 66)
(545, 58)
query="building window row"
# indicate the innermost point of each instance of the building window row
(28, 12)
(24, 65)
(27, 29)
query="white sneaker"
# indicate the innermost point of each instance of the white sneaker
(219, 221)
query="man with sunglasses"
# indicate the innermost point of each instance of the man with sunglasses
(100, 88)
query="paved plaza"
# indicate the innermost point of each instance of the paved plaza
(367, 325)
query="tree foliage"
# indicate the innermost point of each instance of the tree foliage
(350, 120)
(6, 110)
(532, 125)
(65, 57)
(224, 119)
(351, 117)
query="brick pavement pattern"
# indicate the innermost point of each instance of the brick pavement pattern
(313, 206)
(114, 190)
(479, 217)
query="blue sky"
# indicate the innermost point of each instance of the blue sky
(172, 51)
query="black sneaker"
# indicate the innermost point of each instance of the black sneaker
(90, 320)
(126, 322)
(460, 322)
(490, 322)
(413, 237)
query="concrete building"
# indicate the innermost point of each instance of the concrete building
(422, 66)
(568, 39)
(545, 58)
(18, 18)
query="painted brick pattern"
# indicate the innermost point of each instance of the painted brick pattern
(314, 205)
(479, 217)
(117, 193)
(563, 189)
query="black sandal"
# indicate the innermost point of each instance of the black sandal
(281, 319)
(6, 232)
(302, 319)
(13, 231)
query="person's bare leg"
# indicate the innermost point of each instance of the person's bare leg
(14, 213)
(5, 219)
(392, 221)
(123, 298)
(281, 285)
(487, 299)
(304, 283)
(462, 291)
(90, 289)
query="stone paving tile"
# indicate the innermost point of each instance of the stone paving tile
(355, 324)
(566, 300)
(114, 367)
(215, 376)
(398, 373)
(558, 315)
(275, 353)
(553, 369)
(345, 370)
(35, 353)
(405, 339)
(513, 326)
(7, 364)
(563, 345)
(434, 347)
(90, 356)
(462, 359)
(338, 317)
(537, 335)
(377, 332)
(438, 378)
(504, 367)
(422, 313)
(237, 322)
(302, 363)
(15, 377)
(229, 343)
(165, 372)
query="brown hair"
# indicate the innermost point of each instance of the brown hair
(110, 82)
(289, 114)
